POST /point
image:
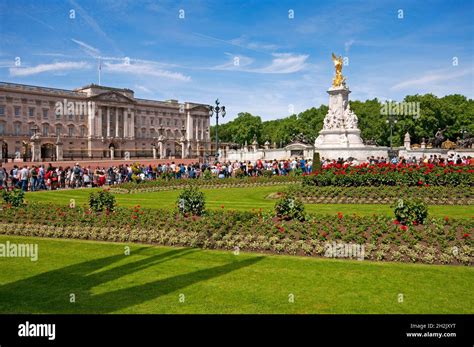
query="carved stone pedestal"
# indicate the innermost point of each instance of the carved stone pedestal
(340, 129)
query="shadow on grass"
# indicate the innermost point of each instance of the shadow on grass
(49, 292)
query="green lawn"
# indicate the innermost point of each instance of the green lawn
(239, 199)
(151, 280)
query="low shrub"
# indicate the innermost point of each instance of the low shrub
(191, 201)
(101, 201)
(289, 208)
(15, 197)
(409, 212)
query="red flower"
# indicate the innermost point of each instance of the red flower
(465, 236)
(222, 206)
(404, 227)
(281, 229)
(396, 221)
(446, 218)
(339, 215)
(415, 222)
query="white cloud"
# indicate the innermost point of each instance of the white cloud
(237, 62)
(143, 89)
(92, 51)
(146, 70)
(93, 24)
(348, 45)
(284, 63)
(244, 42)
(54, 67)
(431, 77)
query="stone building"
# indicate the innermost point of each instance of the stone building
(97, 122)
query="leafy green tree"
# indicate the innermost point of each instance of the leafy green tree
(452, 113)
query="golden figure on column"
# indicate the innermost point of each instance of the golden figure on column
(339, 79)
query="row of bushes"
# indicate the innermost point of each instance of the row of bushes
(164, 184)
(392, 175)
(432, 195)
(436, 241)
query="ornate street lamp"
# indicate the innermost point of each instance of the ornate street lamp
(216, 110)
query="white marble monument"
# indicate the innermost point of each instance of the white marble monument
(340, 127)
(340, 136)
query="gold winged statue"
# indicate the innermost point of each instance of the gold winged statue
(338, 79)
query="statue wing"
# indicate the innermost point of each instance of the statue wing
(334, 58)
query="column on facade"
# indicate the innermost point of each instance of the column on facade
(108, 121)
(196, 128)
(132, 124)
(189, 126)
(116, 122)
(203, 121)
(125, 122)
(90, 119)
(98, 129)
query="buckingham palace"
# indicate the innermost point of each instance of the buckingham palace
(97, 122)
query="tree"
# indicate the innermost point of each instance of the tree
(453, 113)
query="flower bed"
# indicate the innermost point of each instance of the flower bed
(392, 175)
(432, 195)
(446, 241)
(171, 184)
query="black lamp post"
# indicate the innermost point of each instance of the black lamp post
(391, 121)
(216, 110)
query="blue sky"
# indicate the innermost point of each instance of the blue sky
(284, 64)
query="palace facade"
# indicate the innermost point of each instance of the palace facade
(97, 122)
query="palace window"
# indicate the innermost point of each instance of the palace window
(17, 111)
(2, 110)
(83, 131)
(17, 129)
(2, 128)
(45, 113)
(70, 131)
(45, 130)
(31, 111)
(58, 130)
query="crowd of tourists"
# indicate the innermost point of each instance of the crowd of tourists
(47, 177)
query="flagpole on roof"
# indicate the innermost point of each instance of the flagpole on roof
(100, 68)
